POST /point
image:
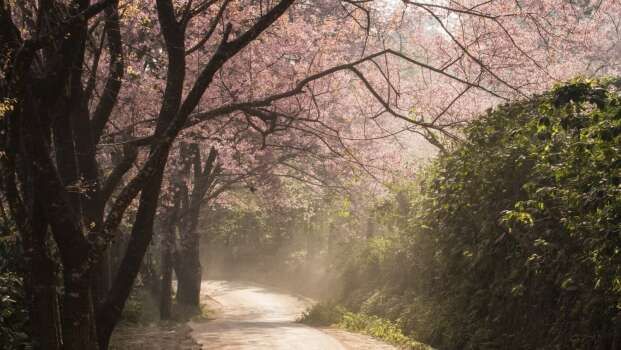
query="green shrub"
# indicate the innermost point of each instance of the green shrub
(525, 218)
(322, 314)
(13, 306)
(515, 238)
(13, 313)
(380, 328)
(140, 307)
(332, 314)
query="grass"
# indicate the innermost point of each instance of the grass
(332, 314)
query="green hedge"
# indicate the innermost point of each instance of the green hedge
(515, 241)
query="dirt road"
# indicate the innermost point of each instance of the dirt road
(250, 316)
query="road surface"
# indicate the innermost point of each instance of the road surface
(250, 316)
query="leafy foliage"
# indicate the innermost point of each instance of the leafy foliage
(333, 314)
(323, 314)
(515, 240)
(13, 311)
(379, 328)
(510, 240)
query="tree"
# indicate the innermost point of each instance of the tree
(194, 184)
(182, 220)
(55, 152)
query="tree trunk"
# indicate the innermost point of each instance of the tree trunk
(166, 283)
(41, 279)
(188, 264)
(168, 232)
(187, 253)
(101, 284)
(45, 312)
(110, 313)
(311, 243)
(189, 275)
(78, 313)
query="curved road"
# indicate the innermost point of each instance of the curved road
(250, 316)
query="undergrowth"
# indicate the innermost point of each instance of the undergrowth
(332, 314)
(323, 314)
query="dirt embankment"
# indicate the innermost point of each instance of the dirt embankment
(164, 336)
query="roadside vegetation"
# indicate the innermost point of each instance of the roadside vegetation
(14, 330)
(512, 237)
(326, 314)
